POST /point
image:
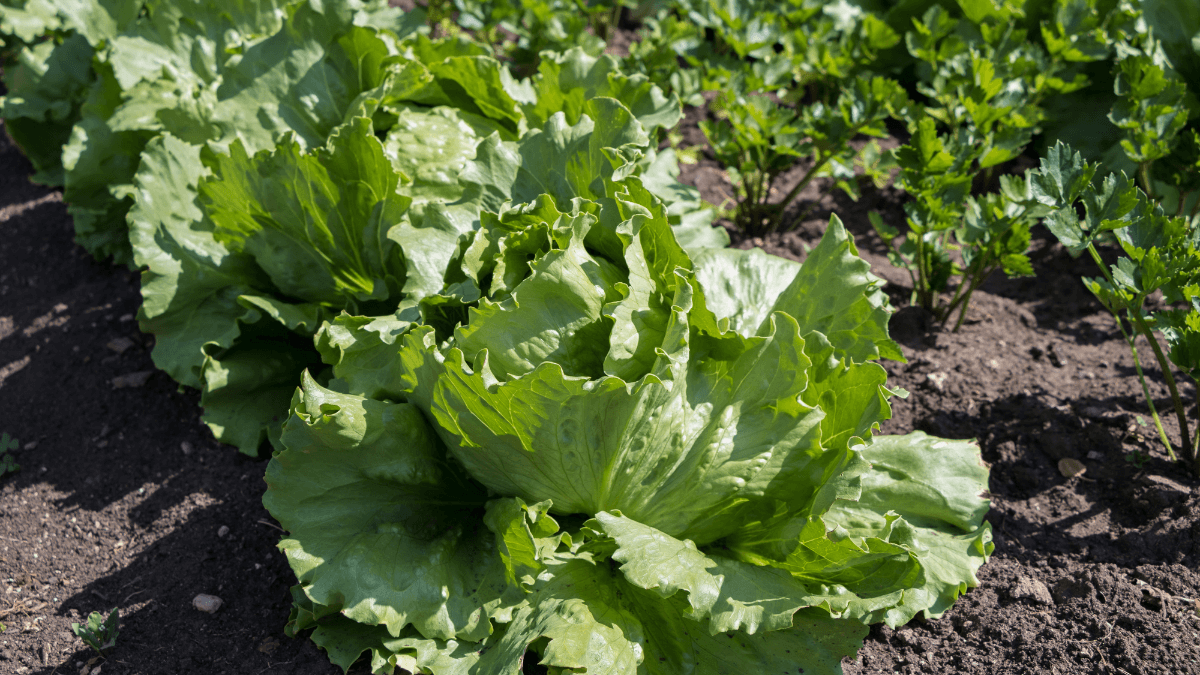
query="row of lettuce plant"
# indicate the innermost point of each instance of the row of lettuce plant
(542, 411)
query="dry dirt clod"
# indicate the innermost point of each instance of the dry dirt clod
(207, 603)
(1028, 588)
(1165, 487)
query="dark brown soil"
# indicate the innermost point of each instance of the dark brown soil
(123, 499)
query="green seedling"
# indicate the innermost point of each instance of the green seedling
(989, 232)
(7, 463)
(1137, 458)
(757, 139)
(99, 633)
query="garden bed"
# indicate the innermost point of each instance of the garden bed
(124, 500)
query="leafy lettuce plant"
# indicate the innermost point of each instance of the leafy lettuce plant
(758, 139)
(623, 459)
(247, 253)
(1160, 254)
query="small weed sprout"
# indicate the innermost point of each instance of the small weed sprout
(99, 633)
(7, 463)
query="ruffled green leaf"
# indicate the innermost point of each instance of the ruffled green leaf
(833, 292)
(316, 223)
(596, 621)
(381, 525)
(939, 489)
(725, 430)
(577, 160)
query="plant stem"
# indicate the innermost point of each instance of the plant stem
(1137, 364)
(1144, 173)
(1140, 322)
(787, 199)
(966, 300)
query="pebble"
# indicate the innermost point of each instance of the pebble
(937, 380)
(1093, 454)
(1027, 588)
(137, 379)
(120, 345)
(207, 603)
(222, 531)
(186, 447)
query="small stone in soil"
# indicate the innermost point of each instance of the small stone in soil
(222, 531)
(137, 379)
(186, 447)
(120, 345)
(207, 603)
(1055, 360)
(937, 381)
(1092, 454)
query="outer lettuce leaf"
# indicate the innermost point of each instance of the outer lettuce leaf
(191, 285)
(46, 89)
(316, 223)
(731, 595)
(596, 621)
(938, 487)
(911, 543)
(27, 21)
(312, 227)
(345, 640)
(382, 527)
(833, 293)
